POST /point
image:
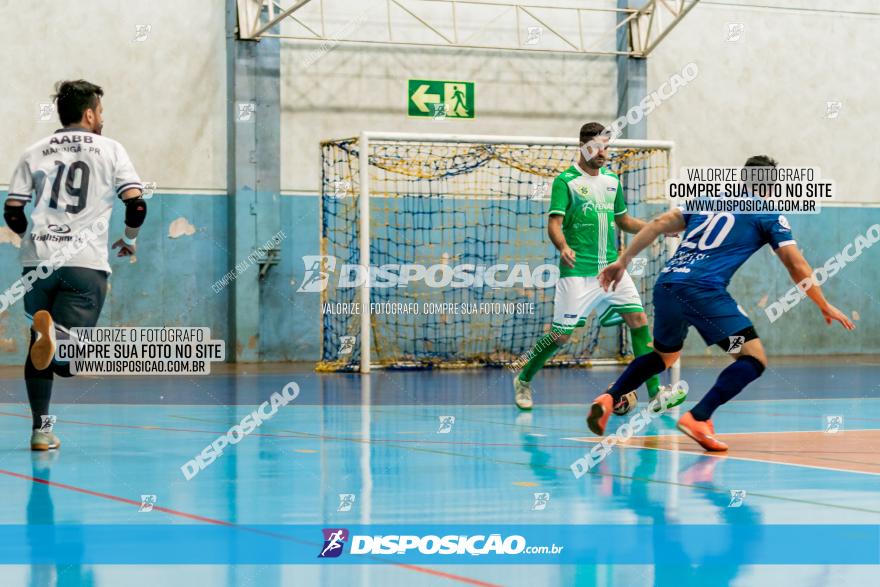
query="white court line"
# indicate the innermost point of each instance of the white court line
(725, 455)
(590, 439)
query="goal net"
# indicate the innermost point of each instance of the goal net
(454, 232)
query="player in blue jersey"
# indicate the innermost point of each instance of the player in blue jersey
(692, 291)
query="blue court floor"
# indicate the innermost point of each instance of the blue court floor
(387, 441)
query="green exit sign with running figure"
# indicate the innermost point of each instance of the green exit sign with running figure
(440, 99)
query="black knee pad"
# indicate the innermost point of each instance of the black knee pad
(759, 366)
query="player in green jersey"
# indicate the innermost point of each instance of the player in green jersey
(586, 203)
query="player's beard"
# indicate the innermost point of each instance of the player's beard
(98, 128)
(596, 162)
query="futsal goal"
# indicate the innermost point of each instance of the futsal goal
(434, 248)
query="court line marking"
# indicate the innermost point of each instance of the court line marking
(475, 420)
(584, 404)
(297, 434)
(566, 429)
(459, 578)
(616, 475)
(725, 455)
(580, 440)
(590, 438)
(291, 433)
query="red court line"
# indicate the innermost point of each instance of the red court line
(115, 498)
(459, 578)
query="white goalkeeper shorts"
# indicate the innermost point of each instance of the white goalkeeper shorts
(577, 297)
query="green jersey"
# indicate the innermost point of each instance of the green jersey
(589, 204)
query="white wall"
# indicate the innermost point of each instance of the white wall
(767, 92)
(164, 97)
(354, 88)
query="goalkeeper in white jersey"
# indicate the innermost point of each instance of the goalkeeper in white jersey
(73, 178)
(586, 204)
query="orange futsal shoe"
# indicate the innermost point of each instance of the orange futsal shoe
(43, 348)
(702, 432)
(600, 411)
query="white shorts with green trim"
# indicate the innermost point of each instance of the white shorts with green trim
(576, 297)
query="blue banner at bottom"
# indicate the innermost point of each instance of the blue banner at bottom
(442, 544)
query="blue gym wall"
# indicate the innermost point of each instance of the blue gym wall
(290, 328)
(291, 322)
(170, 283)
(802, 331)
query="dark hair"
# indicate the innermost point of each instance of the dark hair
(74, 97)
(590, 131)
(760, 161)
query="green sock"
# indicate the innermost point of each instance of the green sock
(545, 348)
(641, 338)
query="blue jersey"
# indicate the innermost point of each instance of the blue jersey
(715, 244)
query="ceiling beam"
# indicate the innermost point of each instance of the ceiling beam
(647, 26)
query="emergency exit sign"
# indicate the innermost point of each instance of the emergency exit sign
(440, 99)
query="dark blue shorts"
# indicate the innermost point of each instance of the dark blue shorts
(712, 311)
